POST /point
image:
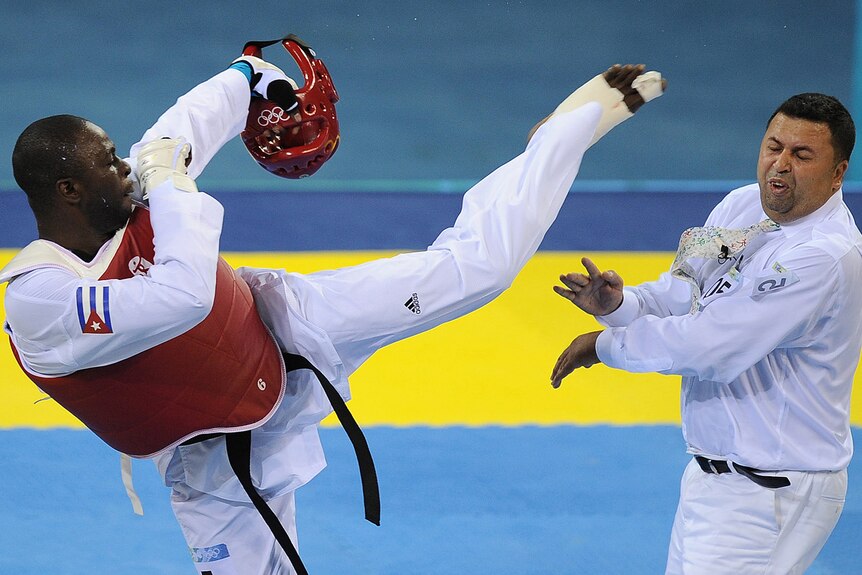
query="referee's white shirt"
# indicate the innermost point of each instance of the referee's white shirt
(768, 360)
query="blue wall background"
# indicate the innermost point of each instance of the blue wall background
(439, 91)
(434, 95)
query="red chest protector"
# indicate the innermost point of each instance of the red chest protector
(225, 374)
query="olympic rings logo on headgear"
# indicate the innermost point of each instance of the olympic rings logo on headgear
(310, 132)
(272, 116)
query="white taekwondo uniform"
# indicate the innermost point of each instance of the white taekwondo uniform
(336, 319)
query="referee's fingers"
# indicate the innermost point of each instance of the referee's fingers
(575, 280)
(563, 367)
(592, 269)
(568, 294)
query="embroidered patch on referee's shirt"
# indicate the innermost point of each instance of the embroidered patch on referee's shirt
(94, 309)
(772, 283)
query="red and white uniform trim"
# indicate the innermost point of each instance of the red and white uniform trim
(160, 397)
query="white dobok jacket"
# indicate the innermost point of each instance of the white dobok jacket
(337, 319)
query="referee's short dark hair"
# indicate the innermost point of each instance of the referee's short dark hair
(827, 110)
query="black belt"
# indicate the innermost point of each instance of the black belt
(239, 455)
(718, 466)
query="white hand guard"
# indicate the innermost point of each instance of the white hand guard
(614, 110)
(162, 160)
(268, 80)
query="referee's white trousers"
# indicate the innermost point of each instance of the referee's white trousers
(727, 524)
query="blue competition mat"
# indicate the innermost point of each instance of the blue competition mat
(489, 500)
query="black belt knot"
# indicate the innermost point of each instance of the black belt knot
(719, 466)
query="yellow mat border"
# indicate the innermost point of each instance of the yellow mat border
(488, 368)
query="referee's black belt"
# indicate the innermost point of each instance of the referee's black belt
(718, 466)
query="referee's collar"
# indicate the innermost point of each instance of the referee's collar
(807, 222)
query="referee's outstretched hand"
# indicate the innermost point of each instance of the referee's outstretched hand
(596, 292)
(580, 353)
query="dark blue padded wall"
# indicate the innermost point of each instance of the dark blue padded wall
(439, 90)
(306, 221)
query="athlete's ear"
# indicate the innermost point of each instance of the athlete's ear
(68, 191)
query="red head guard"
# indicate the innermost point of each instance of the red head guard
(294, 145)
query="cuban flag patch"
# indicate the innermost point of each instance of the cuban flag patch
(94, 309)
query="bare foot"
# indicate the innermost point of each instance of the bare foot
(622, 77)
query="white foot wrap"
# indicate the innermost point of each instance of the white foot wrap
(648, 85)
(614, 110)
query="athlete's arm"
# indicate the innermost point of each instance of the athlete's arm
(208, 116)
(60, 323)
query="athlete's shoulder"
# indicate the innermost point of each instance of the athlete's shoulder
(37, 254)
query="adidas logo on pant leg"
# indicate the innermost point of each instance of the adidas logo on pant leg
(413, 304)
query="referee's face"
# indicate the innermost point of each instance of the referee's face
(796, 169)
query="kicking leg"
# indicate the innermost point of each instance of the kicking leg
(621, 90)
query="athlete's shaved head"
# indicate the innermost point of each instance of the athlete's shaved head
(47, 151)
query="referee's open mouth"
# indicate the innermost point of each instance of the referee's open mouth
(777, 186)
